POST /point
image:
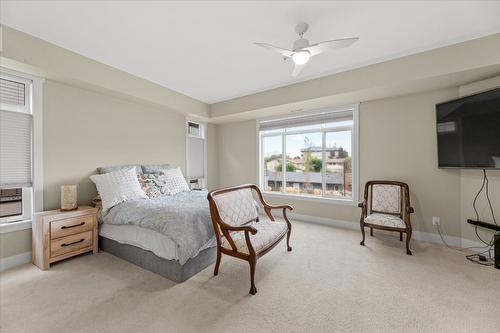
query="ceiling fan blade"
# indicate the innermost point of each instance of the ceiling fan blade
(297, 69)
(282, 51)
(330, 45)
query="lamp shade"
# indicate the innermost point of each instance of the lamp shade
(69, 197)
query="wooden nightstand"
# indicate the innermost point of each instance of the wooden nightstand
(59, 235)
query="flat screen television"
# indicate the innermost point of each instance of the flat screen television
(468, 131)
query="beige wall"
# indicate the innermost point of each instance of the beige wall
(84, 130)
(236, 144)
(397, 141)
(15, 242)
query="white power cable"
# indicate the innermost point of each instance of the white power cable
(460, 249)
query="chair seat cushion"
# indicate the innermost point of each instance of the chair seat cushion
(385, 220)
(267, 233)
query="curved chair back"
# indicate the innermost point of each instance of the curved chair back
(236, 207)
(387, 197)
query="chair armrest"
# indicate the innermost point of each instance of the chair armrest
(266, 205)
(410, 210)
(363, 207)
(278, 206)
(248, 228)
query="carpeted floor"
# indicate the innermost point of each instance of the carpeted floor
(327, 284)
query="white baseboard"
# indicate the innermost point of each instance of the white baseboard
(13, 261)
(416, 235)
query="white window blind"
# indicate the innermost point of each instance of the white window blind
(15, 149)
(194, 129)
(196, 157)
(304, 120)
(15, 132)
(12, 92)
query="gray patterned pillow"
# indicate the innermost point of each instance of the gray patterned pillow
(155, 168)
(111, 168)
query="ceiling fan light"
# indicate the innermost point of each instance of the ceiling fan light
(301, 57)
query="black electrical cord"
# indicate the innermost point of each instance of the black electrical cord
(485, 180)
(478, 194)
(489, 245)
(475, 258)
(488, 198)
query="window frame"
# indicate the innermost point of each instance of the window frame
(353, 200)
(28, 88)
(203, 135)
(32, 196)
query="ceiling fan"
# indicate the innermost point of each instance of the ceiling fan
(302, 51)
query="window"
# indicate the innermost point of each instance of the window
(194, 129)
(196, 147)
(311, 155)
(18, 146)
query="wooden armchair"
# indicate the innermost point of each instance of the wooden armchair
(240, 231)
(386, 206)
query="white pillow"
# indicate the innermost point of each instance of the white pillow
(118, 186)
(175, 181)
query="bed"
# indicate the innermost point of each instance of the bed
(171, 235)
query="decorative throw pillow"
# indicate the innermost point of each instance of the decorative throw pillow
(118, 186)
(161, 183)
(175, 182)
(155, 168)
(149, 184)
(111, 168)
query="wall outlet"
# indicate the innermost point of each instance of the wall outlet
(436, 220)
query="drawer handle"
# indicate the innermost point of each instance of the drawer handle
(72, 226)
(64, 244)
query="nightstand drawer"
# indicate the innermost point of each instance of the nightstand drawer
(71, 243)
(70, 226)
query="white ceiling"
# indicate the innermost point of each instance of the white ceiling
(205, 49)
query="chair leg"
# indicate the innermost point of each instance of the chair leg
(408, 237)
(400, 236)
(217, 262)
(288, 247)
(371, 232)
(253, 289)
(362, 233)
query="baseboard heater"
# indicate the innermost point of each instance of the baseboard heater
(484, 224)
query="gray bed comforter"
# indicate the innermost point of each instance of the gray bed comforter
(184, 218)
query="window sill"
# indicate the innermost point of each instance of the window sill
(335, 201)
(14, 226)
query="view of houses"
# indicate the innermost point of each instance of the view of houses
(304, 173)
